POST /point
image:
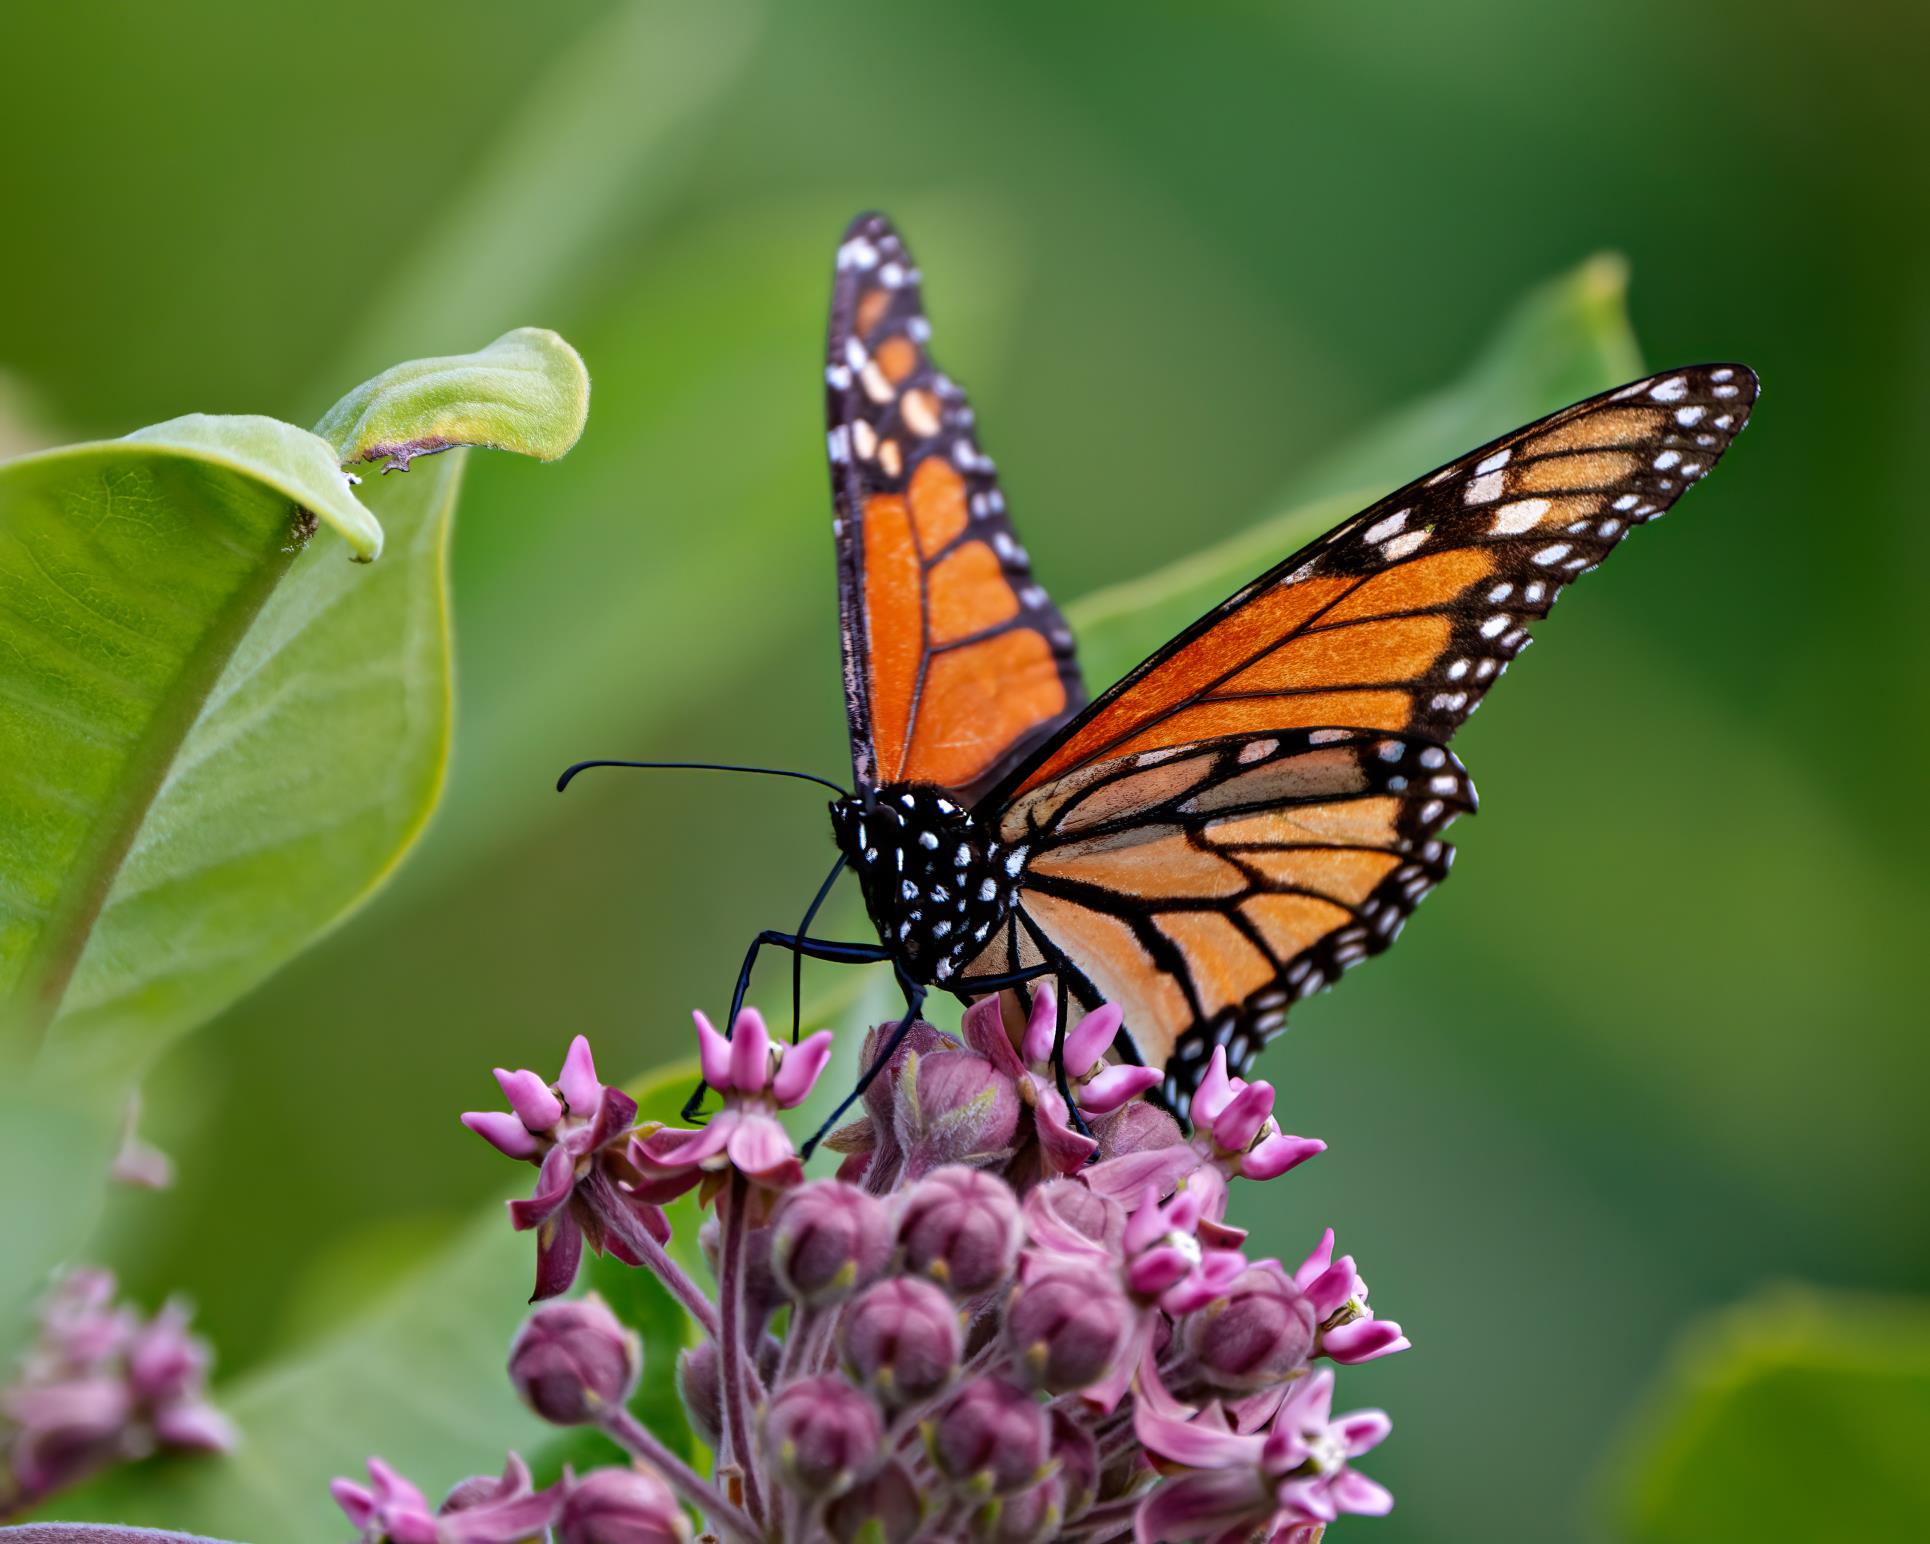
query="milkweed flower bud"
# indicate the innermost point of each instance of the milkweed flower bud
(902, 1340)
(1253, 1337)
(956, 1107)
(821, 1434)
(620, 1506)
(573, 1361)
(700, 1391)
(884, 1509)
(1068, 1326)
(991, 1439)
(960, 1227)
(829, 1239)
(1029, 1516)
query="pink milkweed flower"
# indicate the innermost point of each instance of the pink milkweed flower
(1156, 1251)
(573, 1131)
(1231, 1484)
(390, 1510)
(1348, 1330)
(1234, 1129)
(757, 1077)
(1098, 1087)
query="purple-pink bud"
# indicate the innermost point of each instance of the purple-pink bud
(1029, 1516)
(1255, 1336)
(578, 1082)
(885, 1509)
(1068, 1326)
(821, 1434)
(991, 1439)
(902, 1340)
(621, 1506)
(1076, 1452)
(961, 1227)
(700, 1389)
(962, 1109)
(829, 1239)
(572, 1361)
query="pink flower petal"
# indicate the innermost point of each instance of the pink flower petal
(1356, 1493)
(760, 1147)
(578, 1080)
(1307, 1408)
(1214, 1090)
(1113, 1086)
(1196, 1443)
(1239, 1122)
(671, 1148)
(1317, 1262)
(983, 1027)
(1065, 1149)
(1363, 1430)
(1092, 1037)
(502, 1131)
(530, 1097)
(354, 1500)
(1279, 1153)
(559, 1253)
(1042, 1030)
(1123, 1178)
(798, 1072)
(750, 1053)
(1203, 1506)
(713, 1054)
(555, 1182)
(1363, 1341)
(391, 1489)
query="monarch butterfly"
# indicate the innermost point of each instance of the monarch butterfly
(1259, 805)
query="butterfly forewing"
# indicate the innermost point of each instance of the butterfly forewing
(957, 663)
(1258, 806)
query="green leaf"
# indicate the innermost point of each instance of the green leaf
(291, 751)
(1566, 340)
(527, 392)
(416, 1378)
(1800, 1405)
(221, 737)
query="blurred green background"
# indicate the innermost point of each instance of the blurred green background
(1660, 1042)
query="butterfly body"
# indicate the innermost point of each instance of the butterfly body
(1257, 807)
(936, 881)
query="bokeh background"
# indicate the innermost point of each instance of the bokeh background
(1660, 1043)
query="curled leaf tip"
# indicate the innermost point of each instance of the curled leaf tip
(528, 392)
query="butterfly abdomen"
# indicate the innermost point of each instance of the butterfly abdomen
(935, 881)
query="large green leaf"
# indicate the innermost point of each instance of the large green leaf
(1799, 1415)
(416, 1377)
(1566, 340)
(221, 736)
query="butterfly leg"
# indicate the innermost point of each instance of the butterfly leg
(914, 1000)
(816, 948)
(797, 959)
(1059, 1064)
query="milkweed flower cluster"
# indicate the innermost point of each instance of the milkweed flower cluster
(1019, 1311)
(101, 1385)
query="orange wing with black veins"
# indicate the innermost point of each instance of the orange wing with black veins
(956, 663)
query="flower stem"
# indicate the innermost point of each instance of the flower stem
(621, 1222)
(731, 1351)
(635, 1438)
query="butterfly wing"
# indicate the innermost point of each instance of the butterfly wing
(1258, 806)
(956, 662)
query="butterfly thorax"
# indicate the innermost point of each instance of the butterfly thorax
(935, 880)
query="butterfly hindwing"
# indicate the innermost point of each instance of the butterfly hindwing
(956, 661)
(1258, 806)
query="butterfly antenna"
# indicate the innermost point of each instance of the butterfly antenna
(570, 772)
